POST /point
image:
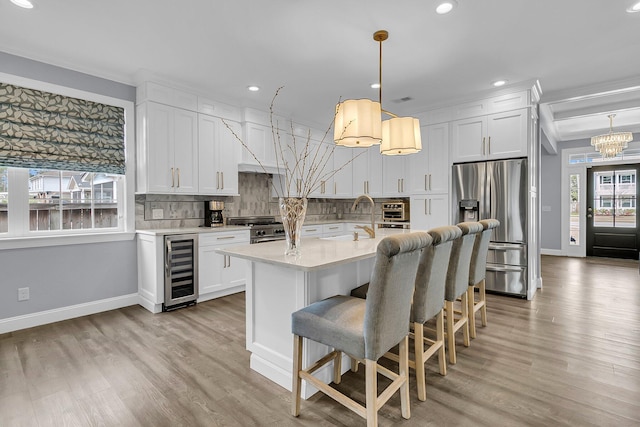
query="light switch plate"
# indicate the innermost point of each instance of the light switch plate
(157, 213)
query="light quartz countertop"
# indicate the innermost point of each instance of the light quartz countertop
(191, 230)
(316, 252)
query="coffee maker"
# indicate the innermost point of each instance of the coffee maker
(213, 213)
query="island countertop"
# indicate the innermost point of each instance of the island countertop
(316, 253)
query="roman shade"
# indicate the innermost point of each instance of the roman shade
(48, 131)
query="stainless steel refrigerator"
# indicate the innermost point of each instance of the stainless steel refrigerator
(497, 189)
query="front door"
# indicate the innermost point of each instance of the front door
(612, 223)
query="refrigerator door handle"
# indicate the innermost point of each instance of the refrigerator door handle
(503, 269)
(504, 247)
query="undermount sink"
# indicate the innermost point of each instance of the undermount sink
(361, 236)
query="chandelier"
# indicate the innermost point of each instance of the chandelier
(611, 144)
(358, 122)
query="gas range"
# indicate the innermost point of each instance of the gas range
(263, 228)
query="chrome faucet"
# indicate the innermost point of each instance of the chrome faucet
(371, 231)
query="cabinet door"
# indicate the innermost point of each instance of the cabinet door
(430, 167)
(185, 151)
(235, 273)
(343, 179)
(394, 171)
(228, 151)
(159, 148)
(507, 134)
(468, 139)
(210, 266)
(208, 175)
(375, 180)
(429, 211)
(259, 140)
(360, 171)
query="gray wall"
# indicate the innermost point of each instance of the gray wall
(65, 275)
(550, 193)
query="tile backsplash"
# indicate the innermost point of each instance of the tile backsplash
(158, 211)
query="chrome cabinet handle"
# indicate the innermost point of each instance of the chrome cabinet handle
(178, 169)
(429, 182)
(225, 237)
(483, 146)
(429, 206)
(173, 178)
(425, 207)
(426, 187)
(217, 180)
(222, 188)
(489, 144)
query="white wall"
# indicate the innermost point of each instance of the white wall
(63, 276)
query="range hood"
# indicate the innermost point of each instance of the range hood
(253, 168)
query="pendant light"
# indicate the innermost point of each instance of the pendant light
(358, 122)
(612, 143)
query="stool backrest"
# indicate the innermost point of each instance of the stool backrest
(478, 269)
(458, 273)
(431, 278)
(388, 303)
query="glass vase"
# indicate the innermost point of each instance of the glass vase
(293, 211)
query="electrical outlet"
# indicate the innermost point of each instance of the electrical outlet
(23, 294)
(157, 213)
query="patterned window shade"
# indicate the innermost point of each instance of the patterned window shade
(44, 130)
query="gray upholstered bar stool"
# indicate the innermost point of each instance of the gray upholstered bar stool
(457, 286)
(428, 302)
(477, 274)
(364, 328)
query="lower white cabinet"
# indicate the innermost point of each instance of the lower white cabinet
(429, 211)
(220, 275)
(330, 230)
(311, 230)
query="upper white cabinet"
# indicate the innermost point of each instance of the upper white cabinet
(430, 167)
(367, 171)
(218, 154)
(495, 136)
(343, 178)
(395, 170)
(167, 149)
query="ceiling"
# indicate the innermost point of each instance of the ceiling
(585, 53)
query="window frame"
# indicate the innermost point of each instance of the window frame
(19, 235)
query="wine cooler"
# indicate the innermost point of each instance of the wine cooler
(180, 271)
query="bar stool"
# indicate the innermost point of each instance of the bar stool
(364, 328)
(477, 274)
(428, 302)
(457, 286)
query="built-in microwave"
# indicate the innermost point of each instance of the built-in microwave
(396, 210)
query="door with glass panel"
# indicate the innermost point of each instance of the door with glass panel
(612, 222)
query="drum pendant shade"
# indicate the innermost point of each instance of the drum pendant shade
(400, 135)
(358, 123)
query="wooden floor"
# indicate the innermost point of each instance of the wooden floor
(570, 357)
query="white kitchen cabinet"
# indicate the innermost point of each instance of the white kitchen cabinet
(429, 211)
(495, 136)
(395, 170)
(220, 275)
(218, 154)
(367, 171)
(167, 149)
(343, 179)
(259, 140)
(330, 230)
(311, 230)
(430, 168)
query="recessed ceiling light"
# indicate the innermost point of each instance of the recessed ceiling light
(253, 88)
(375, 85)
(499, 83)
(446, 7)
(634, 8)
(26, 4)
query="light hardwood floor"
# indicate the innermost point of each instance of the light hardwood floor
(570, 357)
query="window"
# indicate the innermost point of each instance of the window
(627, 178)
(574, 210)
(605, 179)
(60, 202)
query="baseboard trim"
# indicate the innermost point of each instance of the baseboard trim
(553, 252)
(12, 324)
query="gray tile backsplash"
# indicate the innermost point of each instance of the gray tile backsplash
(175, 211)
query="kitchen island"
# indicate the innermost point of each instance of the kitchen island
(278, 285)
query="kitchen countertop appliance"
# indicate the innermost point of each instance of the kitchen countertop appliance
(213, 213)
(262, 228)
(395, 211)
(497, 189)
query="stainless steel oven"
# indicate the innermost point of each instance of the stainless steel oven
(397, 210)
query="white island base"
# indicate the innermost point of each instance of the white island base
(278, 286)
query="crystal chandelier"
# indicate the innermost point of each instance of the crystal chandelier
(358, 122)
(611, 144)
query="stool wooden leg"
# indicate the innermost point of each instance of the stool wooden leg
(472, 313)
(404, 373)
(337, 368)
(464, 308)
(297, 381)
(371, 386)
(442, 361)
(354, 365)
(451, 335)
(418, 350)
(483, 298)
